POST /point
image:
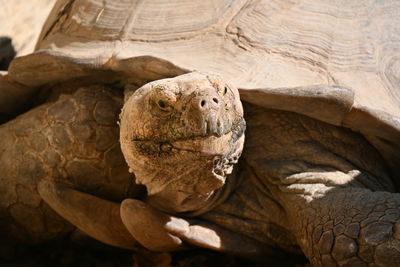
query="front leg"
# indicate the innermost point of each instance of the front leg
(101, 219)
(343, 225)
(164, 232)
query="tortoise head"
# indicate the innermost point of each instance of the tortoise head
(181, 137)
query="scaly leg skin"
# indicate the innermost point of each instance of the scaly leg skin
(165, 233)
(72, 140)
(345, 226)
(101, 219)
(96, 217)
(333, 185)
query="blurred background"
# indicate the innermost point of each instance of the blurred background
(20, 25)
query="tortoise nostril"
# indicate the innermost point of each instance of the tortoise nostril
(215, 100)
(202, 103)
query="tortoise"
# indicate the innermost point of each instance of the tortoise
(319, 83)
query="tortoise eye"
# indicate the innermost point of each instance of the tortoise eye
(162, 104)
(225, 90)
(164, 107)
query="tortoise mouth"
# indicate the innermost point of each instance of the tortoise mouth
(237, 129)
(210, 144)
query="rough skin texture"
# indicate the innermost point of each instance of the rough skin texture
(181, 137)
(74, 141)
(322, 184)
(302, 186)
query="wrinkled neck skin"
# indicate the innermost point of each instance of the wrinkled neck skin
(205, 183)
(181, 138)
(193, 204)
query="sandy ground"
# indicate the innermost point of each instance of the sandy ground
(22, 20)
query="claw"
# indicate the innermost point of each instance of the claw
(96, 217)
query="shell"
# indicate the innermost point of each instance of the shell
(274, 45)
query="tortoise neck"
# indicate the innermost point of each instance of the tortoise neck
(163, 200)
(220, 195)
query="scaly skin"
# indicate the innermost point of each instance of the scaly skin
(302, 185)
(74, 141)
(181, 137)
(325, 184)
